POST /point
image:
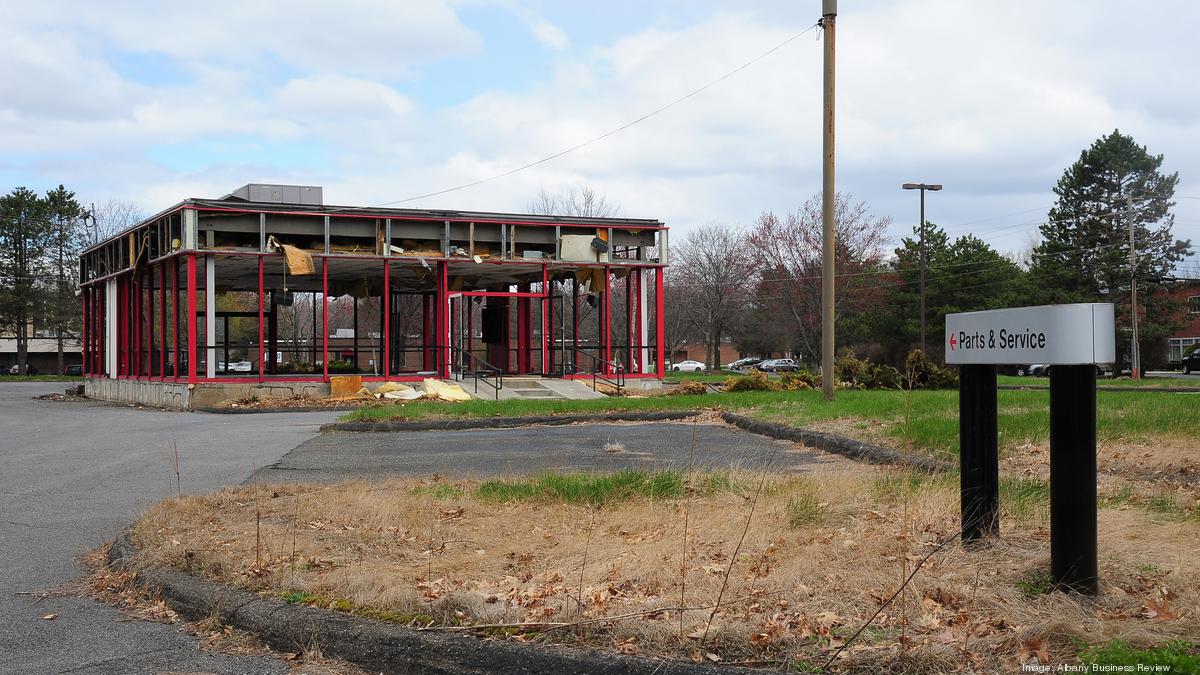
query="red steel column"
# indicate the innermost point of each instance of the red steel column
(443, 320)
(262, 364)
(84, 346)
(175, 312)
(162, 320)
(191, 317)
(426, 331)
(629, 322)
(524, 330)
(636, 349)
(325, 319)
(122, 317)
(547, 321)
(606, 323)
(660, 322)
(386, 301)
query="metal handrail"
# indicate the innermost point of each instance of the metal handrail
(479, 370)
(617, 370)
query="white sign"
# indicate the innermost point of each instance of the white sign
(1053, 334)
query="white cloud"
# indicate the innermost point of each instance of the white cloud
(549, 34)
(993, 100)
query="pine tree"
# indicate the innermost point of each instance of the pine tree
(25, 238)
(963, 275)
(1084, 257)
(67, 220)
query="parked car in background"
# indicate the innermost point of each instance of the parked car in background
(688, 367)
(745, 364)
(74, 371)
(1043, 370)
(778, 365)
(1191, 363)
(1034, 370)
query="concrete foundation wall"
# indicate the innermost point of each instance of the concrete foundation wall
(180, 396)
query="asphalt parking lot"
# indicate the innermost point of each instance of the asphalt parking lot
(73, 475)
(335, 456)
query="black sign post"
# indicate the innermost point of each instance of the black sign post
(979, 458)
(1071, 339)
(1073, 478)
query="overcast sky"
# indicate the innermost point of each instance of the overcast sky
(383, 100)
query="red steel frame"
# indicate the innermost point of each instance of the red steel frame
(262, 363)
(135, 346)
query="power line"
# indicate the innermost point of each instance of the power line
(605, 135)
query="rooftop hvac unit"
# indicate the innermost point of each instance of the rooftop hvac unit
(266, 193)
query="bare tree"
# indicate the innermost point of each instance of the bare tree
(112, 217)
(790, 250)
(714, 265)
(575, 201)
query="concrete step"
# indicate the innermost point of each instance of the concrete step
(532, 392)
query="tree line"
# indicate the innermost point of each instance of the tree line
(758, 287)
(41, 237)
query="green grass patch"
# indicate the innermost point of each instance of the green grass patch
(1037, 582)
(442, 491)
(586, 488)
(1144, 383)
(804, 506)
(1161, 503)
(1176, 656)
(932, 428)
(891, 487)
(1025, 500)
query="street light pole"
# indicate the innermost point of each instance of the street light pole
(922, 187)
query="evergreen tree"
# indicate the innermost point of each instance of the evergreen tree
(67, 220)
(1114, 186)
(963, 275)
(25, 239)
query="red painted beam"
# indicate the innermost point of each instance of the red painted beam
(661, 323)
(386, 301)
(162, 321)
(175, 313)
(262, 364)
(325, 319)
(191, 317)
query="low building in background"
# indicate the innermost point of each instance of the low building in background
(1187, 293)
(43, 354)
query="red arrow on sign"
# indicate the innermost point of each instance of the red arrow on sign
(953, 342)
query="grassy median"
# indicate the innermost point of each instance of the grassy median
(637, 561)
(929, 418)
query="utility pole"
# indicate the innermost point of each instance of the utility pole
(1135, 350)
(922, 187)
(828, 23)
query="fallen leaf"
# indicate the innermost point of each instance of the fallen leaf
(1034, 647)
(712, 657)
(50, 617)
(1160, 610)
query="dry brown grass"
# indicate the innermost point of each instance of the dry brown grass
(821, 553)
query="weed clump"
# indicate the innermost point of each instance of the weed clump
(755, 381)
(689, 388)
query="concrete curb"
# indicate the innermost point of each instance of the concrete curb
(466, 423)
(857, 450)
(378, 646)
(262, 411)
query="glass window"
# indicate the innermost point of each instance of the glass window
(1193, 303)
